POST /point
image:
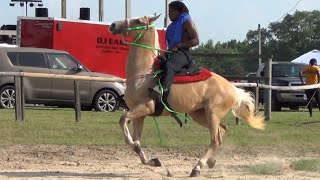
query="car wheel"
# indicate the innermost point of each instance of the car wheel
(106, 100)
(7, 97)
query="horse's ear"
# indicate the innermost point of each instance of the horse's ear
(154, 18)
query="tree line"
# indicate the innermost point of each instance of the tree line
(285, 40)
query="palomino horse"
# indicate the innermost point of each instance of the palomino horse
(207, 102)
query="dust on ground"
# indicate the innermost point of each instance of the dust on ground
(100, 162)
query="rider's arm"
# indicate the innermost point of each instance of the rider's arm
(193, 37)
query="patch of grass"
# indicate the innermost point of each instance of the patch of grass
(312, 165)
(287, 130)
(270, 168)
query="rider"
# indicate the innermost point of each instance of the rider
(181, 36)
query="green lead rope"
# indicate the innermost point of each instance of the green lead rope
(164, 104)
(167, 108)
(158, 130)
(143, 28)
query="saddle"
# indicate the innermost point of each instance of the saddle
(189, 73)
(188, 70)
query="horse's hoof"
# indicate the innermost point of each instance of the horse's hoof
(195, 173)
(169, 174)
(155, 162)
(211, 162)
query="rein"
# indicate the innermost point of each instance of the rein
(124, 34)
(140, 76)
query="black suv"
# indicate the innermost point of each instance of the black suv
(284, 74)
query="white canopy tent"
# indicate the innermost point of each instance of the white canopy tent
(305, 58)
(7, 45)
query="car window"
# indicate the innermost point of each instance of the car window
(61, 61)
(286, 70)
(13, 57)
(31, 59)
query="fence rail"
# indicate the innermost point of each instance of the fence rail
(19, 89)
(19, 107)
(278, 88)
(60, 76)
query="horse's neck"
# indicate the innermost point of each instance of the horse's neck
(140, 60)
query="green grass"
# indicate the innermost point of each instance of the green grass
(312, 165)
(291, 130)
(270, 168)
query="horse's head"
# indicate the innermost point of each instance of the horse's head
(132, 25)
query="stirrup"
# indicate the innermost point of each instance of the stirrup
(157, 89)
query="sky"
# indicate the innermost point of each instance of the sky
(219, 20)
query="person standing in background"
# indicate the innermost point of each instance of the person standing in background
(312, 73)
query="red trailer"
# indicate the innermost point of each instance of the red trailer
(89, 42)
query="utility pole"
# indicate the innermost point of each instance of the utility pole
(101, 10)
(166, 18)
(128, 9)
(63, 8)
(259, 39)
(26, 8)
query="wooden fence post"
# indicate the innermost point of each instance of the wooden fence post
(267, 92)
(22, 99)
(77, 106)
(237, 121)
(18, 109)
(256, 91)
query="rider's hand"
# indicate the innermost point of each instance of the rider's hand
(178, 46)
(174, 49)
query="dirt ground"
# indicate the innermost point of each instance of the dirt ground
(99, 162)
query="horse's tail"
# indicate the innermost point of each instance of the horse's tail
(244, 109)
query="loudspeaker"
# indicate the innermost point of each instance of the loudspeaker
(85, 13)
(42, 12)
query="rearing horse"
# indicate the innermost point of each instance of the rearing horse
(207, 102)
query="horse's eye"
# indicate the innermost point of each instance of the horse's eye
(138, 21)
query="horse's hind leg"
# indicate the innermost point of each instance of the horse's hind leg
(217, 131)
(136, 115)
(222, 129)
(200, 117)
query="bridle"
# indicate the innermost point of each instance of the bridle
(125, 32)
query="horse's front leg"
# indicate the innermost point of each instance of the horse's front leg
(137, 132)
(136, 115)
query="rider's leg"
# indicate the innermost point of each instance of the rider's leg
(175, 63)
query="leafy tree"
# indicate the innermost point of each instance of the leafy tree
(295, 35)
(223, 66)
(287, 39)
(252, 39)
